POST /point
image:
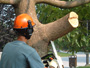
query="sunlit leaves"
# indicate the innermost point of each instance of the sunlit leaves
(47, 13)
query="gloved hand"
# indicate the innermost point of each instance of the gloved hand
(53, 63)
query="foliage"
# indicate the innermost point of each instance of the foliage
(51, 13)
(64, 54)
(76, 41)
(84, 67)
(7, 16)
(47, 13)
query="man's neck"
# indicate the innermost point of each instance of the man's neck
(22, 38)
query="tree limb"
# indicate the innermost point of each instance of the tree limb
(32, 11)
(64, 4)
(62, 26)
(10, 1)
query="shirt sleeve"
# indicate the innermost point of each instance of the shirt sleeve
(34, 61)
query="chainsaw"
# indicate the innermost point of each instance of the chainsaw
(52, 60)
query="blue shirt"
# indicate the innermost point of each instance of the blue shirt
(18, 54)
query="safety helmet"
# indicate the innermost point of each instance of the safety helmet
(21, 21)
(23, 25)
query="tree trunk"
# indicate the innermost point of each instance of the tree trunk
(87, 58)
(45, 33)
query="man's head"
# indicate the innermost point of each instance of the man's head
(23, 25)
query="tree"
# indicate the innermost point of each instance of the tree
(44, 33)
(77, 40)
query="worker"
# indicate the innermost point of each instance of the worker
(17, 54)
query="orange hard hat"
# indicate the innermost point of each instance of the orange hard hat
(21, 21)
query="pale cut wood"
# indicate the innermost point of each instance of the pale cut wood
(73, 19)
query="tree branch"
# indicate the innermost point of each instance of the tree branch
(65, 25)
(10, 1)
(64, 4)
(32, 11)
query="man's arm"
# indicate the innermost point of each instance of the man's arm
(34, 60)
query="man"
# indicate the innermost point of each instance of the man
(18, 54)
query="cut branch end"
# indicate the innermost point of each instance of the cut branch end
(73, 19)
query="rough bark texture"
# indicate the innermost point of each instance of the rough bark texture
(44, 33)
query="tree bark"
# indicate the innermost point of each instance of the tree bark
(10, 1)
(87, 58)
(64, 4)
(43, 34)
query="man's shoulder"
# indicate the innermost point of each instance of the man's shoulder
(25, 47)
(19, 45)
